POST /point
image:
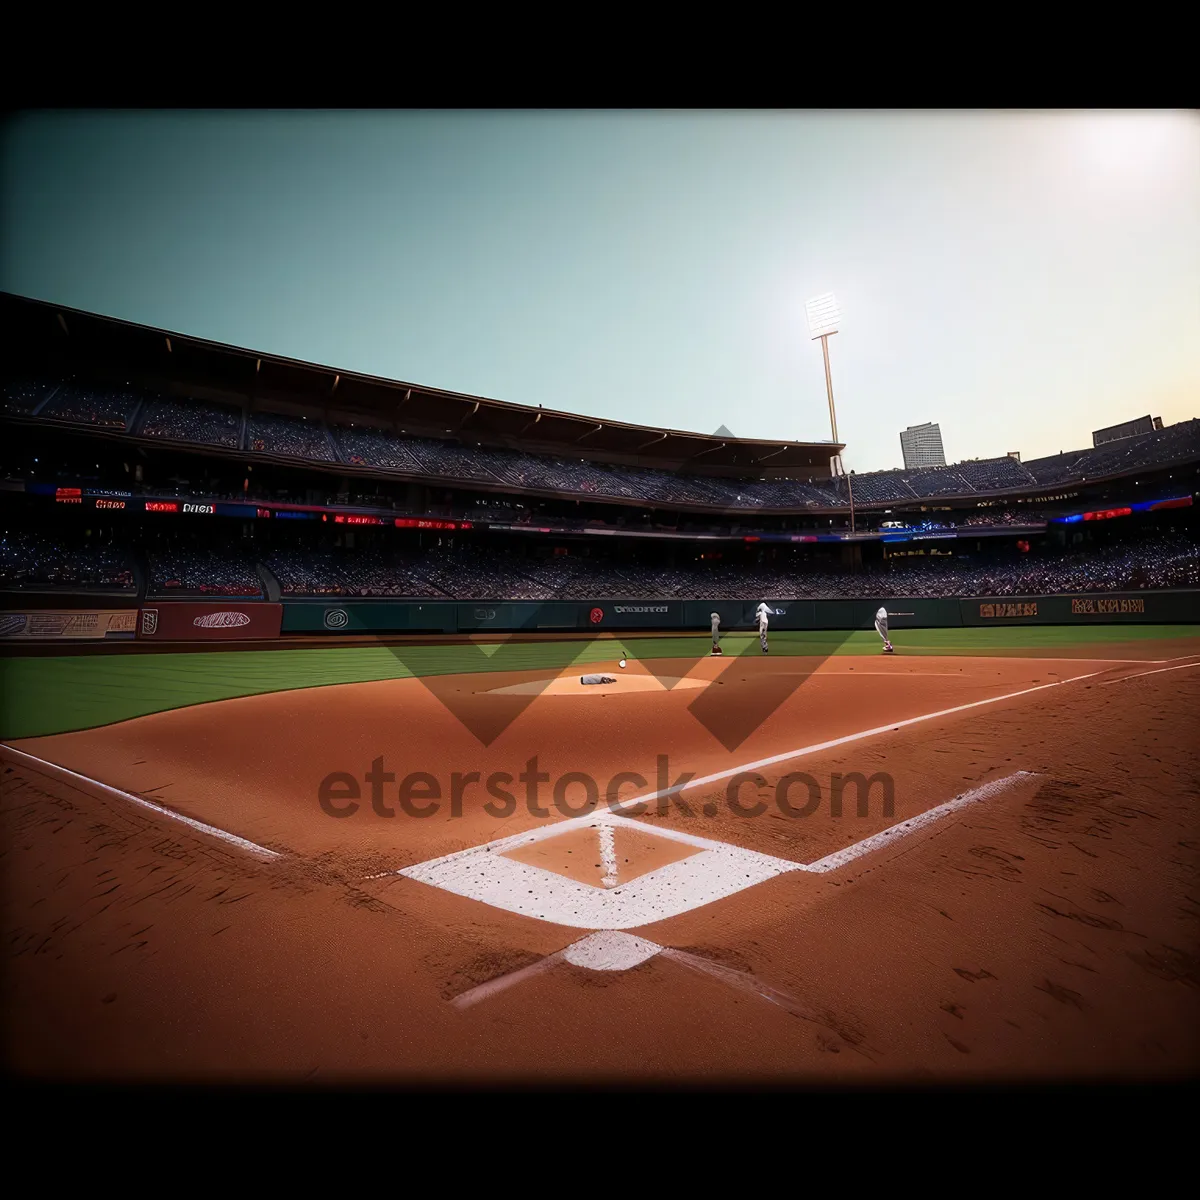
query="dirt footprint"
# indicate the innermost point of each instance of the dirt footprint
(1062, 994)
(971, 976)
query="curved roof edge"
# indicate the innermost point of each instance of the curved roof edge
(60, 330)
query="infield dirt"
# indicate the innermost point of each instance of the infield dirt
(1049, 932)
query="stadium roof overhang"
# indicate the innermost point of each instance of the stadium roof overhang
(51, 334)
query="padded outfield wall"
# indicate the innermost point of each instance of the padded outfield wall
(359, 617)
(250, 620)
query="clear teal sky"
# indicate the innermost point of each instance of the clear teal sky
(1021, 278)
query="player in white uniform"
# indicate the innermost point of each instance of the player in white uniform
(882, 629)
(716, 632)
(762, 613)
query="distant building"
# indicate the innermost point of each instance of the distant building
(1114, 433)
(723, 431)
(922, 446)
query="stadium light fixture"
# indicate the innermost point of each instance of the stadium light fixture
(824, 315)
(824, 319)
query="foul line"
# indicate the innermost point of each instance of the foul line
(618, 811)
(840, 858)
(211, 830)
(1140, 674)
(787, 756)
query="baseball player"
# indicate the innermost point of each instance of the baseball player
(762, 613)
(881, 629)
(716, 633)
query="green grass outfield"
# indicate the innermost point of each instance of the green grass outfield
(40, 696)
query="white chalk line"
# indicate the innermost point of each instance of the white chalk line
(615, 951)
(608, 855)
(876, 841)
(890, 836)
(621, 808)
(209, 830)
(737, 979)
(1142, 674)
(817, 747)
(719, 871)
(504, 982)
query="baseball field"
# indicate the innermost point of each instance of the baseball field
(452, 861)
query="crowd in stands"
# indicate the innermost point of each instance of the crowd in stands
(192, 421)
(83, 404)
(463, 462)
(32, 560)
(296, 437)
(22, 396)
(194, 572)
(371, 448)
(456, 461)
(1173, 443)
(469, 572)
(1005, 516)
(344, 573)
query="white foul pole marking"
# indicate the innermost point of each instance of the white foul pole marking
(209, 830)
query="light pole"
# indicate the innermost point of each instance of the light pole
(824, 317)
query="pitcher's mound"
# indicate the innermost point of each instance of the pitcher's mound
(570, 685)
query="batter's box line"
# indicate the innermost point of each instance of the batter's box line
(486, 874)
(611, 950)
(74, 777)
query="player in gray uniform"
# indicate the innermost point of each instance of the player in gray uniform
(716, 633)
(761, 614)
(882, 629)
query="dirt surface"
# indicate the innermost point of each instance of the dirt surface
(1049, 931)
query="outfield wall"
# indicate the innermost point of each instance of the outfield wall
(221, 621)
(632, 614)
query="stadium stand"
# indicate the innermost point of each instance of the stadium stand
(343, 573)
(451, 461)
(372, 448)
(1173, 443)
(191, 572)
(295, 437)
(192, 421)
(1006, 516)
(469, 572)
(32, 560)
(89, 404)
(994, 474)
(22, 396)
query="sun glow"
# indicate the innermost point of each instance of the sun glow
(1137, 143)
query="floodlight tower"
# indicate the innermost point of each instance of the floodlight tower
(824, 317)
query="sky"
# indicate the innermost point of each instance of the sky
(1021, 278)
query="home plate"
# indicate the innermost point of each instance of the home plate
(608, 872)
